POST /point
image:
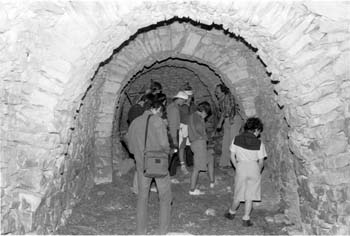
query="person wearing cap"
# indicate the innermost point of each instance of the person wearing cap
(173, 115)
(230, 121)
(185, 110)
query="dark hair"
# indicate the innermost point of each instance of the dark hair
(187, 87)
(156, 104)
(253, 123)
(148, 99)
(223, 88)
(160, 97)
(156, 86)
(204, 106)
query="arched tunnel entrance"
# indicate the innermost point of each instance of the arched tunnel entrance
(202, 56)
(65, 100)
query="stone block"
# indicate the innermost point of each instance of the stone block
(154, 41)
(339, 176)
(103, 152)
(47, 84)
(165, 39)
(58, 69)
(325, 105)
(191, 43)
(296, 37)
(345, 220)
(323, 119)
(343, 208)
(3, 178)
(338, 161)
(39, 97)
(335, 12)
(299, 44)
(29, 179)
(103, 175)
(337, 37)
(8, 224)
(29, 201)
(103, 134)
(307, 56)
(103, 142)
(26, 219)
(102, 161)
(327, 26)
(111, 86)
(341, 65)
(337, 145)
(104, 126)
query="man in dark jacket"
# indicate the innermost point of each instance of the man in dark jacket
(157, 140)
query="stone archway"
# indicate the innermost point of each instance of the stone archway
(50, 131)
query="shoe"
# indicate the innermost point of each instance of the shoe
(212, 185)
(154, 189)
(225, 167)
(196, 192)
(174, 181)
(184, 170)
(229, 216)
(247, 223)
(134, 190)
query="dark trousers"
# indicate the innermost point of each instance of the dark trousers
(165, 198)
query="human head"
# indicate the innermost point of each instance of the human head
(156, 107)
(180, 98)
(146, 100)
(221, 90)
(156, 87)
(254, 125)
(161, 97)
(187, 89)
(204, 108)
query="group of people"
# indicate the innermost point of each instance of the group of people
(172, 127)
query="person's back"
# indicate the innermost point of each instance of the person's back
(135, 111)
(156, 140)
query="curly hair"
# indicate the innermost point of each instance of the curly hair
(253, 123)
(204, 106)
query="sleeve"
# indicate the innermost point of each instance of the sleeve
(129, 140)
(262, 152)
(233, 147)
(173, 122)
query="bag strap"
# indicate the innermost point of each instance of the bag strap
(146, 132)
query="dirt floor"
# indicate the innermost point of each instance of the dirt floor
(111, 209)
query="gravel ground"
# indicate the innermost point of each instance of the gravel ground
(111, 209)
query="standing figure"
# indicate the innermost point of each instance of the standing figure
(247, 156)
(185, 110)
(198, 138)
(157, 139)
(135, 111)
(173, 115)
(229, 120)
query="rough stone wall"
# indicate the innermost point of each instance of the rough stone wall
(51, 50)
(75, 176)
